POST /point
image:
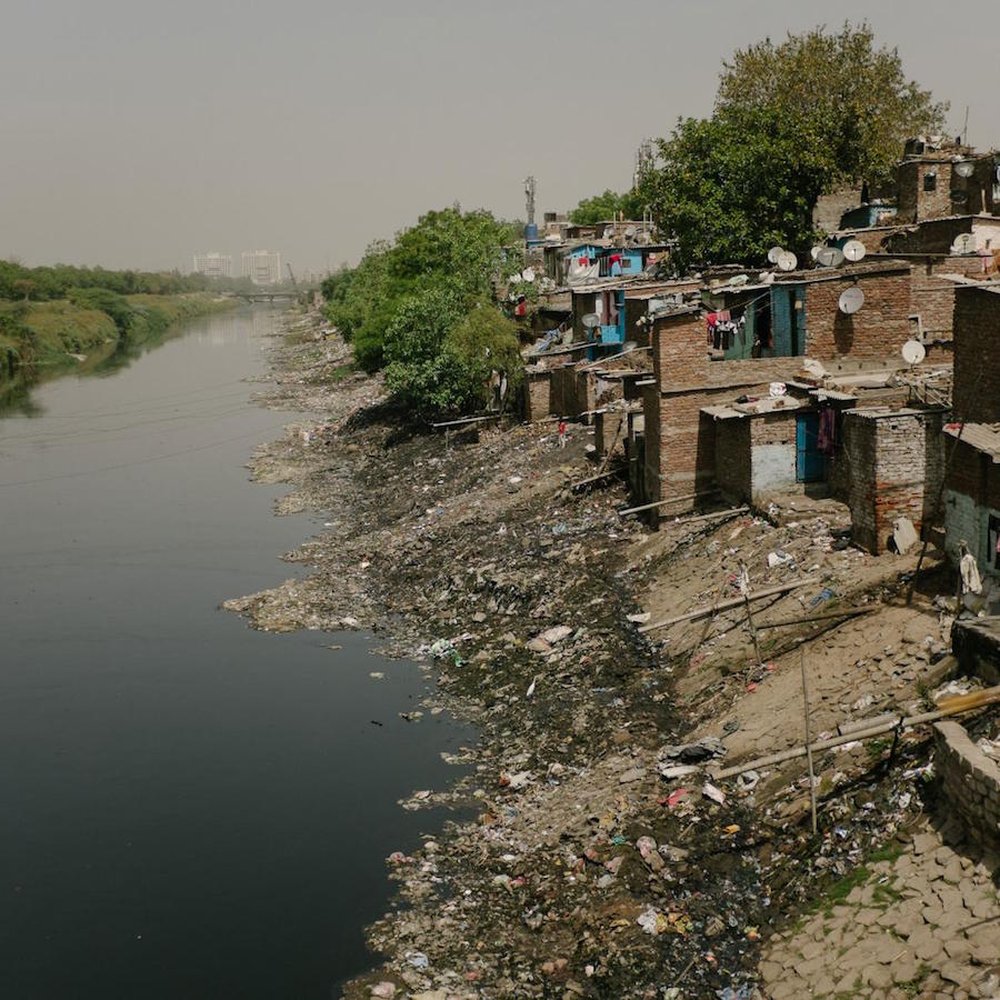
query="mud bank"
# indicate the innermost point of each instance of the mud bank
(603, 861)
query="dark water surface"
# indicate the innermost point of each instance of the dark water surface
(188, 808)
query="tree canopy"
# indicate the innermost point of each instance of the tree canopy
(404, 304)
(606, 206)
(791, 121)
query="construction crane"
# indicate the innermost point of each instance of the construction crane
(291, 274)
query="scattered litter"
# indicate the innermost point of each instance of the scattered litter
(824, 595)
(556, 634)
(778, 558)
(715, 794)
(707, 748)
(417, 959)
(670, 772)
(904, 535)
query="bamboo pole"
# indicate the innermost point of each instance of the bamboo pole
(953, 706)
(809, 753)
(733, 603)
(662, 503)
(830, 615)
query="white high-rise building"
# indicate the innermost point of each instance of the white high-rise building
(262, 267)
(214, 264)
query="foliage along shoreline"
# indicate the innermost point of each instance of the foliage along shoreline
(52, 336)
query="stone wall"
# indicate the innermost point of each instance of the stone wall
(970, 783)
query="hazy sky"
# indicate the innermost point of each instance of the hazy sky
(134, 133)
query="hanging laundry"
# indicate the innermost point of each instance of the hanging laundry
(827, 438)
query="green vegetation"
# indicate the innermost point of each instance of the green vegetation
(44, 284)
(48, 334)
(607, 206)
(791, 121)
(422, 308)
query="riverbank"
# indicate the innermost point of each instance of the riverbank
(604, 861)
(38, 338)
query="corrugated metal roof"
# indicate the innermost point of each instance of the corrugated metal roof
(982, 437)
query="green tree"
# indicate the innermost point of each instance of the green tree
(728, 190)
(448, 254)
(839, 94)
(606, 206)
(790, 122)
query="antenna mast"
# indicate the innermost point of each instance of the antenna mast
(529, 197)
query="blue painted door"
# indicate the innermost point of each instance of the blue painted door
(808, 459)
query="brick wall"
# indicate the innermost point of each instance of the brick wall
(893, 468)
(976, 337)
(914, 202)
(933, 297)
(969, 782)
(878, 330)
(732, 457)
(610, 429)
(857, 482)
(537, 392)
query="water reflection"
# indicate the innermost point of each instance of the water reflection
(190, 808)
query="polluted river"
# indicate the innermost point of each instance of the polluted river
(188, 807)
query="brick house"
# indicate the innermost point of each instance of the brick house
(683, 428)
(972, 479)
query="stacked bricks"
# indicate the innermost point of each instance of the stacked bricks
(970, 783)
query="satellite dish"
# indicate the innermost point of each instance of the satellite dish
(854, 250)
(851, 300)
(829, 257)
(590, 320)
(629, 232)
(913, 352)
(609, 232)
(965, 168)
(774, 253)
(787, 261)
(964, 243)
(528, 274)
(814, 253)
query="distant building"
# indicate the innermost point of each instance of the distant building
(214, 265)
(262, 267)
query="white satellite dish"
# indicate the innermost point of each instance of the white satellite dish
(965, 168)
(964, 243)
(913, 352)
(829, 257)
(854, 250)
(774, 253)
(528, 274)
(814, 252)
(609, 232)
(590, 320)
(787, 261)
(629, 232)
(851, 300)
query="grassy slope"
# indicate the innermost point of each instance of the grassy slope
(62, 329)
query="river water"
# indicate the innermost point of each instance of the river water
(188, 808)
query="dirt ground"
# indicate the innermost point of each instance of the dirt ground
(603, 861)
